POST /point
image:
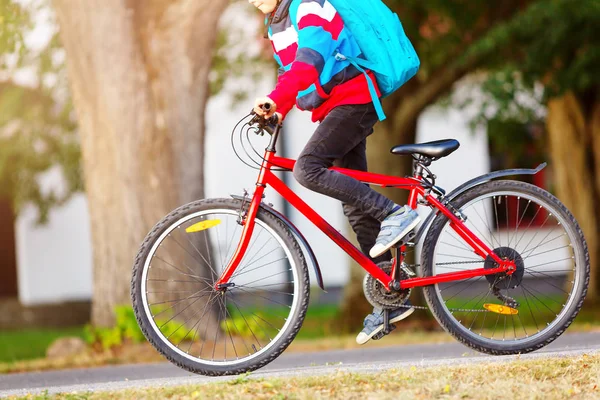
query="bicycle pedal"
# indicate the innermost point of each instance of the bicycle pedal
(384, 332)
(406, 240)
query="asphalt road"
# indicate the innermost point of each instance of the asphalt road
(365, 359)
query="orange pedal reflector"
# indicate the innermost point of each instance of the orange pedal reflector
(500, 309)
(200, 226)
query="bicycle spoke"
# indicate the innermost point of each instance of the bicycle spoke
(486, 222)
(266, 277)
(216, 334)
(252, 261)
(200, 254)
(266, 298)
(262, 266)
(528, 252)
(549, 262)
(175, 300)
(241, 271)
(456, 247)
(236, 328)
(177, 269)
(497, 219)
(548, 251)
(516, 221)
(190, 254)
(231, 242)
(528, 226)
(196, 330)
(535, 235)
(247, 324)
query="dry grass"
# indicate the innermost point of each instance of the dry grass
(551, 378)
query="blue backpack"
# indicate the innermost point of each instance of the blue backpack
(381, 38)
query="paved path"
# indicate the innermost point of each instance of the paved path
(364, 359)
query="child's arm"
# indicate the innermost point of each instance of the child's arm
(318, 27)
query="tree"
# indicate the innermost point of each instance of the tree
(139, 74)
(442, 32)
(555, 44)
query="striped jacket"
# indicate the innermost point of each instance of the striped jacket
(305, 35)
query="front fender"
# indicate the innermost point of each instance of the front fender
(299, 236)
(472, 183)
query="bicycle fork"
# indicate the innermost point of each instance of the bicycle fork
(247, 220)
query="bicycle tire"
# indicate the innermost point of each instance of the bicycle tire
(158, 341)
(503, 347)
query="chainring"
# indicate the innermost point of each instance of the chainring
(378, 296)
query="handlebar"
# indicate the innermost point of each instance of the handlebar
(268, 125)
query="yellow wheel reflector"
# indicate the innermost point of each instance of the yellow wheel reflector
(500, 309)
(200, 226)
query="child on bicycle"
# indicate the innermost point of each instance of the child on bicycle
(338, 96)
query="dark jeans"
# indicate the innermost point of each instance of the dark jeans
(341, 140)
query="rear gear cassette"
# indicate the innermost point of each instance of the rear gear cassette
(378, 296)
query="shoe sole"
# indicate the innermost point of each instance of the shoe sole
(392, 321)
(398, 238)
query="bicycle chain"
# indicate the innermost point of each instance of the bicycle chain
(413, 266)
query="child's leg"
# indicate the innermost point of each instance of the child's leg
(365, 226)
(340, 132)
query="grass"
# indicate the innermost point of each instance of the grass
(29, 344)
(547, 378)
(23, 351)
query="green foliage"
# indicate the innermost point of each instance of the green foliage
(171, 328)
(245, 327)
(552, 41)
(126, 328)
(443, 30)
(37, 126)
(235, 66)
(517, 144)
(13, 21)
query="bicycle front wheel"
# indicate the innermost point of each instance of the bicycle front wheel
(219, 332)
(500, 313)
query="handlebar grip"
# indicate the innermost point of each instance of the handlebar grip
(274, 120)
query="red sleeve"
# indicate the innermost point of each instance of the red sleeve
(298, 78)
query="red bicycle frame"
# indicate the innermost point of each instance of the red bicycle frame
(413, 184)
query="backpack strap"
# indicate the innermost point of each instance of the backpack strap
(357, 63)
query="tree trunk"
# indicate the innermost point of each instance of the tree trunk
(574, 133)
(139, 76)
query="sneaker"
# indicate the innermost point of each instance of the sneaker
(393, 228)
(373, 323)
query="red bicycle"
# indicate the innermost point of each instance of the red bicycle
(221, 286)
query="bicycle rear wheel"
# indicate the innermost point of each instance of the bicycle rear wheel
(508, 314)
(219, 332)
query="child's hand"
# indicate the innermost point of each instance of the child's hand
(259, 102)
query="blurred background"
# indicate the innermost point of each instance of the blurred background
(113, 113)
